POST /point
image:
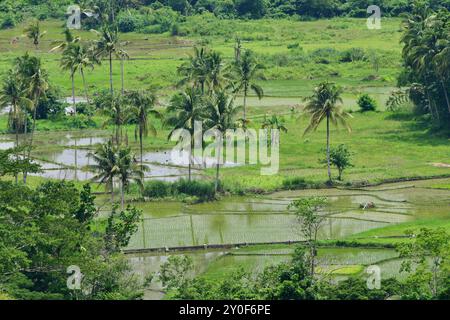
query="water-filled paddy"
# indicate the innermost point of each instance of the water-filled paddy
(266, 219)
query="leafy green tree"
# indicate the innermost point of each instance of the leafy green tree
(429, 251)
(176, 273)
(322, 105)
(310, 215)
(367, 103)
(340, 157)
(47, 229)
(252, 8)
(120, 227)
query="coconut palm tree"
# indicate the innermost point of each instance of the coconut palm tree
(129, 170)
(107, 46)
(118, 115)
(186, 108)
(13, 95)
(245, 72)
(195, 71)
(221, 115)
(34, 33)
(78, 57)
(273, 123)
(322, 105)
(106, 165)
(65, 46)
(141, 107)
(38, 87)
(218, 75)
(123, 55)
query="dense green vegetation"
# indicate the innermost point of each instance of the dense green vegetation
(250, 65)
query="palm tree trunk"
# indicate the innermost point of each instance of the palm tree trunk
(218, 168)
(16, 116)
(85, 86)
(122, 74)
(111, 73)
(74, 106)
(446, 95)
(112, 191)
(245, 104)
(141, 147)
(328, 148)
(25, 175)
(122, 196)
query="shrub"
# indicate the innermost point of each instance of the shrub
(204, 190)
(193, 191)
(294, 183)
(353, 54)
(157, 189)
(8, 22)
(80, 121)
(367, 103)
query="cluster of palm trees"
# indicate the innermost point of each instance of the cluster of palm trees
(78, 56)
(22, 89)
(426, 55)
(210, 87)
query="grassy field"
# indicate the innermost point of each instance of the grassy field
(297, 55)
(289, 73)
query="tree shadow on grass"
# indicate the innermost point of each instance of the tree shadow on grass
(418, 130)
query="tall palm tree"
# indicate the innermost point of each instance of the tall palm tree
(118, 115)
(107, 46)
(323, 105)
(106, 165)
(141, 107)
(186, 108)
(122, 55)
(78, 57)
(65, 46)
(221, 115)
(14, 96)
(34, 33)
(218, 75)
(38, 87)
(195, 71)
(246, 70)
(273, 123)
(129, 170)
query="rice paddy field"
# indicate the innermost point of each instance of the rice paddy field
(385, 146)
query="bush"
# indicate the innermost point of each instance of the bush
(353, 54)
(201, 191)
(80, 121)
(367, 103)
(8, 22)
(157, 189)
(295, 183)
(204, 190)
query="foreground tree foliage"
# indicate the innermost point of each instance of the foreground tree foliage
(46, 230)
